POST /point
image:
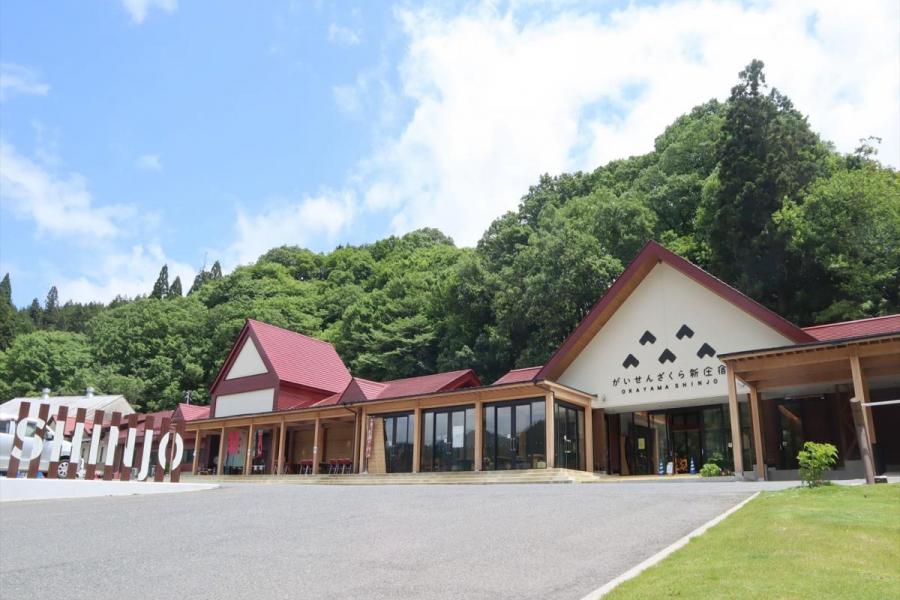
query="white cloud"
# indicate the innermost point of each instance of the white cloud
(16, 79)
(311, 221)
(149, 162)
(499, 98)
(57, 205)
(343, 35)
(138, 9)
(128, 273)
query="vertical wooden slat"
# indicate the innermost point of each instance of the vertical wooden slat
(125, 471)
(159, 474)
(108, 469)
(735, 416)
(80, 415)
(35, 465)
(12, 470)
(61, 415)
(91, 468)
(175, 475)
(861, 393)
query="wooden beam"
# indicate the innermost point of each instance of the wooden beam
(588, 440)
(355, 454)
(861, 393)
(479, 435)
(220, 467)
(248, 454)
(865, 445)
(363, 429)
(417, 439)
(549, 416)
(735, 416)
(756, 425)
(317, 452)
(816, 355)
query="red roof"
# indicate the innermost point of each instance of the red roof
(295, 358)
(191, 412)
(650, 255)
(362, 390)
(860, 327)
(519, 375)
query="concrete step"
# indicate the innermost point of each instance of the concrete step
(448, 478)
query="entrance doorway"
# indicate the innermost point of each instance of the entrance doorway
(515, 435)
(448, 439)
(398, 443)
(569, 428)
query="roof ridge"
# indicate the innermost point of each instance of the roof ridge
(291, 331)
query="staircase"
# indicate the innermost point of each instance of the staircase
(448, 478)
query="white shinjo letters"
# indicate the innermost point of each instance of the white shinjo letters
(36, 449)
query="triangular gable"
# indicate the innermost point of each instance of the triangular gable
(247, 362)
(651, 255)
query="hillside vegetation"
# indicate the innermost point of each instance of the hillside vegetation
(744, 188)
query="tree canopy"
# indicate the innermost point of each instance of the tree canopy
(744, 188)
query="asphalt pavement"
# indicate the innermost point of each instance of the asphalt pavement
(303, 541)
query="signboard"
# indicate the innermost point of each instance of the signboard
(30, 449)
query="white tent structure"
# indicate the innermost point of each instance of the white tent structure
(89, 401)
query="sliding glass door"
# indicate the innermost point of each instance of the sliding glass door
(569, 433)
(515, 435)
(448, 439)
(398, 443)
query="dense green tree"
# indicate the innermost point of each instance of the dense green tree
(42, 359)
(161, 287)
(216, 271)
(847, 233)
(7, 313)
(36, 312)
(50, 314)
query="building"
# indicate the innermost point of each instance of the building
(90, 402)
(672, 368)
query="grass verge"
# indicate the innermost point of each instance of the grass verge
(829, 542)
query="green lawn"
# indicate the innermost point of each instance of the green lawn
(830, 542)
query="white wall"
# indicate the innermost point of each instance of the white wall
(244, 403)
(663, 302)
(248, 362)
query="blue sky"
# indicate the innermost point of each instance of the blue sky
(141, 132)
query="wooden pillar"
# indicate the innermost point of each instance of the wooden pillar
(249, 453)
(417, 439)
(601, 450)
(220, 466)
(734, 414)
(198, 440)
(861, 393)
(317, 452)
(355, 455)
(479, 435)
(549, 424)
(281, 436)
(588, 440)
(862, 436)
(363, 431)
(756, 426)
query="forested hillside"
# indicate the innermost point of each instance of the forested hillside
(744, 188)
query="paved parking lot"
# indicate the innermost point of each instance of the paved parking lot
(297, 541)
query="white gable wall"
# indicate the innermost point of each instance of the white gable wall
(245, 403)
(248, 362)
(664, 301)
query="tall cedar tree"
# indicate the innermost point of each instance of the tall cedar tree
(7, 313)
(175, 289)
(767, 154)
(161, 287)
(50, 318)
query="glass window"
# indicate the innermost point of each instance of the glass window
(427, 441)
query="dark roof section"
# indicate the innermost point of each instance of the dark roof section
(859, 327)
(364, 390)
(650, 255)
(519, 375)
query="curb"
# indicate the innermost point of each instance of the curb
(659, 556)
